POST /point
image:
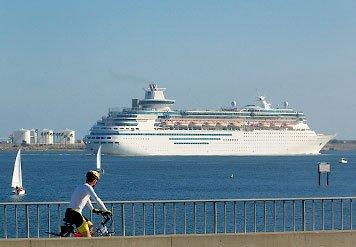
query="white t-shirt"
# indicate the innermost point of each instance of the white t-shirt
(81, 196)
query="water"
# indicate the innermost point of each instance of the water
(52, 176)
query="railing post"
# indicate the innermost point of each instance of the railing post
(224, 217)
(274, 216)
(38, 220)
(164, 218)
(205, 217)
(235, 228)
(322, 215)
(294, 215)
(16, 222)
(332, 215)
(215, 218)
(254, 217)
(59, 217)
(342, 214)
(264, 216)
(27, 222)
(5, 222)
(113, 218)
(154, 218)
(174, 218)
(313, 214)
(284, 215)
(184, 218)
(133, 219)
(49, 219)
(123, 230)
(351, 214)
(303, 214)
(245, 216)
(195, 217)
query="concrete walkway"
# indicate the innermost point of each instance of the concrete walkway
(295, 239)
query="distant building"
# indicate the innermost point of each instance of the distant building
(4, 140)
(34, 136)
(46, 136)
(66, 136)
(21, 136)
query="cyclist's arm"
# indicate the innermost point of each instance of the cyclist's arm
(97, 199)
(90, 205)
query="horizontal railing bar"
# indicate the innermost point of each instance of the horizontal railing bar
(32, 203)
(192, 201)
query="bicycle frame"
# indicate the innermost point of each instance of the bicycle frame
(103, 229)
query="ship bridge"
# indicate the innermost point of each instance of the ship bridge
(154, 100)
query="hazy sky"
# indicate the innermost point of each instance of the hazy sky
(64, 63)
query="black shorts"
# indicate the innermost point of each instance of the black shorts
(74, 217)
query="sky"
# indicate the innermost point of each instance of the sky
(64, 63)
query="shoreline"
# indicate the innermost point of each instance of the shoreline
(333, 145)
(340, 145)
(42, 147)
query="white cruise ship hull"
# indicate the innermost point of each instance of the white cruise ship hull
(231, 143)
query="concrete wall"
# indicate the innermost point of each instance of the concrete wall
(298, 239)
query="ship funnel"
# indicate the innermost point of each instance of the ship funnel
(264, 102)
(135, 103)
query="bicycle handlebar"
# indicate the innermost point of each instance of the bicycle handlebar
(103, 213)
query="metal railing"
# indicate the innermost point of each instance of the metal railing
(131, 218)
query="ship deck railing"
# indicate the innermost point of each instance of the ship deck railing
(167, 217)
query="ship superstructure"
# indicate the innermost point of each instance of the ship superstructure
(151, 127)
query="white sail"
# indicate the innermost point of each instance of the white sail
(17, 173)
(98, 159)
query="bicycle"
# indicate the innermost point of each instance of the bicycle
(68, 230)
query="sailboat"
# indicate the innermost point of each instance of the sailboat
(16, 183)
(98, 161)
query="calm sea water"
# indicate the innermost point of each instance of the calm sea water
(53, 176)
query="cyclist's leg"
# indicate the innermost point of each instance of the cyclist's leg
(85, 227)
(79, 221)
(90, 225)
(67, 228)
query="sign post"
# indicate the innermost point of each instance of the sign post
(324, 167)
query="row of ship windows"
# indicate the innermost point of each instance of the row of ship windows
(280, 136)
(273, 139)
(186, 143)
(199, 139)
(103, 142)
(192, 143)
(272, 133)
(136, 139)
(98, 137)
(108, 128)
(161, 134)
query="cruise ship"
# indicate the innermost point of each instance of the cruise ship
(151, 127)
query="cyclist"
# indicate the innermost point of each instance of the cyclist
(81, 197)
